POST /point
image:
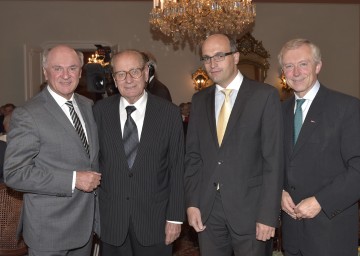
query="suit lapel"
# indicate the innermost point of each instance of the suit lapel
(312, 120)
(151, 115)
(113, 120)
(90, 131)
(289, 124)
(239, 105)
(210, 113)
(58, 114)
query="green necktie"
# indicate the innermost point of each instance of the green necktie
(298, 119)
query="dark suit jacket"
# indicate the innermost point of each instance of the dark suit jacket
(249, 163)
(43, 150)
(325, 163)
(157, 88)
(152, 192)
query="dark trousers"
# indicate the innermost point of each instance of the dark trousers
(132, 247)
(218, 238)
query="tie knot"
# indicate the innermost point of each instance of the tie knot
(226, 92)
(299, 102)
(130, 109)
(69, 104)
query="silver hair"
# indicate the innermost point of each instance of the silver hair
(47, 51)
(296, 43)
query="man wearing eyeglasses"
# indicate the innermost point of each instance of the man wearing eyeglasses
(234, 157)
(141, 159)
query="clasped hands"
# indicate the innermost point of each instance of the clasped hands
(263, 232)
(306, 209)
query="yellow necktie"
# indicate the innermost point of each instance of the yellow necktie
(224, 115)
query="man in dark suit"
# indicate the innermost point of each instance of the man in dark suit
(234, 171)
(48, 160)
(322, 160)
(154, 85)
(141, 159)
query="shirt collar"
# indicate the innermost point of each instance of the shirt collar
(140, 104)
(310, 95)
(59, 99)
(234, 85)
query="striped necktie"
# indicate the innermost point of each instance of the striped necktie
(130, 137)
(78, 127)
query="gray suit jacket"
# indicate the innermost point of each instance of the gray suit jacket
(249, 163)
(43, 151)
(152, 191)
(325, 163)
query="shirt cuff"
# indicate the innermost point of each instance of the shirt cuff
(175, 222)
(73, 182)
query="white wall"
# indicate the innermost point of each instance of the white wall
(335, 28)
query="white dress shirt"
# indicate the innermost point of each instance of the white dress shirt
(309, 98)
(220, 97)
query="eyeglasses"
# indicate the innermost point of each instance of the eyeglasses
(303, 65)
(217, 57)
(134, 73)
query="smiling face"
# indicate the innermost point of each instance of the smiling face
(130, 88)
(300, 69)
(62, 70)
(224, 71)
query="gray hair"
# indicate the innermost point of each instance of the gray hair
(296, 43)
(47, 51)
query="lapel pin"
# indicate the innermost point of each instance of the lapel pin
(312, 121)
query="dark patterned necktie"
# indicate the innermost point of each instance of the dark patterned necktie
(130, 137)
(78, 127)
(298, 119)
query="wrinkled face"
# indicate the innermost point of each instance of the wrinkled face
(130, 75)
(300, 69)
(224, 71)
(63, 70)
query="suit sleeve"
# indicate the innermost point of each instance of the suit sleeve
(176, 206)
(273, 161)
(193, 160)
(343, 191)
(20, 170)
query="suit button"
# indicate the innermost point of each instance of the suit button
(220, 162)
(131, 174)
(127, 198)
(292, 188)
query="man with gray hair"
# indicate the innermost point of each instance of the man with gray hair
(322, 160)
(52, 156)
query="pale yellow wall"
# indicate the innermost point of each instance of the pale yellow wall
(335, 28)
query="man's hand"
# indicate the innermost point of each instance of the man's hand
(264, 232)
(287, 204)
(87, 181)
(307, 208)
(172, 232)
(194, 219)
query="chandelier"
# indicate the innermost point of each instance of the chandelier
(196, 19)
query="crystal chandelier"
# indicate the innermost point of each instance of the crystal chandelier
(195, 19)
